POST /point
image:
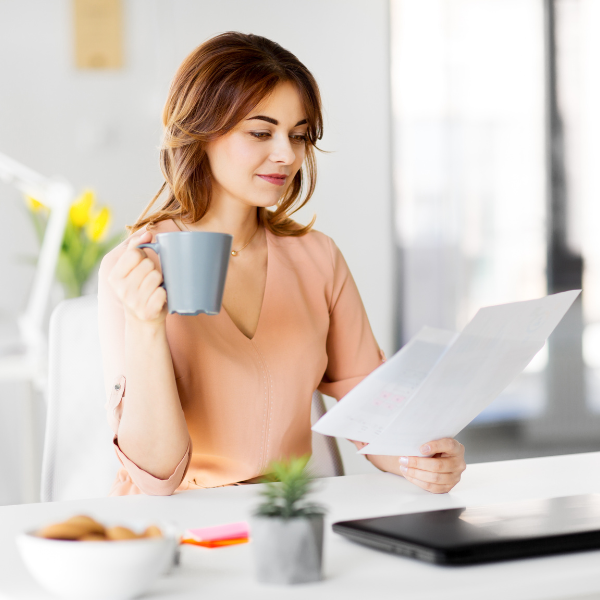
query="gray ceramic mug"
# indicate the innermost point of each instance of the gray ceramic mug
(194, 266)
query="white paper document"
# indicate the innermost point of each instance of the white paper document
(440, 381)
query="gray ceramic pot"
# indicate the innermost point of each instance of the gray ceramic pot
(288, 550)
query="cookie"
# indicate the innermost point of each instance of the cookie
(92, 537)
(63, 531)
(152, 531)
(85, 521)
(120, 533)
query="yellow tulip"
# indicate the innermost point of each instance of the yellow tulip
(80, 211)
(98, 224)
(34, 205)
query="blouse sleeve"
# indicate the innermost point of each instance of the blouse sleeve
(111, 322)
(352, 350)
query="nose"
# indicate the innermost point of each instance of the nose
(282, 151)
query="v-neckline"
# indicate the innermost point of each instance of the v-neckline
(265, 292)
(264, 299)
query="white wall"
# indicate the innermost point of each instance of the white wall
(102, 129)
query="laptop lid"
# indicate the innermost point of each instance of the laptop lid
(485, 533)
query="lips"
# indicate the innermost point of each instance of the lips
(274, 178)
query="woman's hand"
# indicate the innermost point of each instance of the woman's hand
(136, 282)
(439, 473)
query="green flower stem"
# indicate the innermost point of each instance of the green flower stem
(79, 255)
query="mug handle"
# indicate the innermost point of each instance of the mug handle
(154, 247)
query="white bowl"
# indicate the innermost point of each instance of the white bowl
(98, 570)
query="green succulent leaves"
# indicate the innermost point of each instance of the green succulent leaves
(286, 489)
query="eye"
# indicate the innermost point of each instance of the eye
(299, 139)
(260, 135)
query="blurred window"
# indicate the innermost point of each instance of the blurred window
(468, 114)
(578, 51)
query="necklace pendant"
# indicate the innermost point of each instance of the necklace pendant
(233, 253)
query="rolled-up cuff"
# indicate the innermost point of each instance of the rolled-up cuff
(148, 484)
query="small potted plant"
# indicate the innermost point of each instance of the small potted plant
(287, 530)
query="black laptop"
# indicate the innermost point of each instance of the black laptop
(462, 536)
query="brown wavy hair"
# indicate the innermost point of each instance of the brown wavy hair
(215, 87)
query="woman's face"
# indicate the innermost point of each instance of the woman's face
(255, 162)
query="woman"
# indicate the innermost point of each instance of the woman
(208, 401)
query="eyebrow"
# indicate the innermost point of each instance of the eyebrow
(274, 121)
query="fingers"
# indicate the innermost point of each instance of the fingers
(451, 478)
(149, 284)
(359, 445)
(438, 473)
(436, 464)
(128, 286)
(140, 274)
(445, 445)
(157, 302)
(130, 259)
(434, 488)
(136, 281)
(135, 241)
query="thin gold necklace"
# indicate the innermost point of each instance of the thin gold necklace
(236, 252)
(233, 252)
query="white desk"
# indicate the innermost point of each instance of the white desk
(351, 571)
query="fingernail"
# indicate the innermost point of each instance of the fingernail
(404, 460)
(403, 469)
(425, 449)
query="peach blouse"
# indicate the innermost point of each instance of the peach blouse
(248, 401)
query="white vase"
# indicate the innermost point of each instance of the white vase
(288, 551)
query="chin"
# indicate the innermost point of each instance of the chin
(264, 203)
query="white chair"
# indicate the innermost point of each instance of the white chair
(79, 461)
(325, 460)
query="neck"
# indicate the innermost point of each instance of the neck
(229, 216)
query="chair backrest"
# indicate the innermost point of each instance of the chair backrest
(325, 460)
(79, 461)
